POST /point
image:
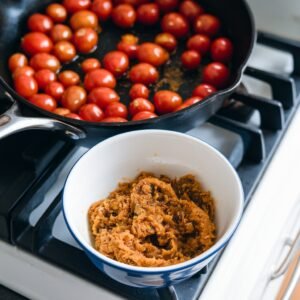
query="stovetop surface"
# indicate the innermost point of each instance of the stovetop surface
(34, 166)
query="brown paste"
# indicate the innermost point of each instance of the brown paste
(154, 222)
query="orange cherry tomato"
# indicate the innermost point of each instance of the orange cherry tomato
(166, 40)
(207, 24)
(114, 120)
(166, 101)
(138, 90)
(43, 101)
(216, 74)
(56, 12)
(124, 15)
(99, 78)
(116, 62)
(143, 115)
(85, 40)
(17, 60)
(73, 116)
(64, 51)
(143, 73)
(140, 104)
(116, 109)
(23, 71)
(148, 14)
(39, 23)
(61, 111)
(90, 64)
(55, 90)
(203, 90)
(103, 96)
(36, 42)
(91, 112)
(152, 54)
(73, 98)
(44, 61)
(73, 6)
(68, 78)
(190, 59)
(103, 9)
(221, 50)
(199, 43)
(84, 18)
(44, 77)
(61, 32)
(175, 24)
(25, 86)
(190, 9)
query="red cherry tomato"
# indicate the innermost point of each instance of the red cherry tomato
(102, 8)
(152, 54)
(221, 50)
(207, 24)
(61, 32)
(73, 98)
(73, 116)
(64, 51)
(190, 59)
(199, 43)
(175, 24)
(85, 40)
(55, 90)
(216, 74)
(140, 104)
(114, 120)
(44, 77)
(17, 60)
(43, 101)
(166, 40)
(23, 71)
(189, 102)
(148, 14)
(39, 23)
(73, 6)
(167, 5)
(84, 18)
(203, 90)
(36, 42)
(68, 78)
(143, 115)
(25, 86)
(138, 90)
(103, 96)
(190, 9)
(116, 62)
(44, 61)
(91, 112)
(90, 64)
(56, 12)
(99, 78)
(128, 45)
(143, 73)
(116, 109)
(166, 101)
(61, 111)
(124, 15)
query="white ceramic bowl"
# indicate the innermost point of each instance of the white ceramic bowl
(124, 156)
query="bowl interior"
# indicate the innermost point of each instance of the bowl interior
(124, 156)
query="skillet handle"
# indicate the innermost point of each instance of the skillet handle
(12, 121)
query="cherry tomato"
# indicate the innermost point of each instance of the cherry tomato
(221, 50)
(143, 73)
(166, 101)
(68, 78)
(207, 24)
(140, 104)
(73, 98)
(190, 9)
(167, 5)
(61, 111)
(25, 86)
(44, 61)
(114, 120)
(23, 71)
(166, 40)
(91, 112)
(17, 60)
(99, 78)
(61, 32)
(203, 90)
(148, 14)
(190, 59)
(73, 6)
(85, 40)
(103, 9)
(39, 23)
(43, 101)
(124, 15)
(73, 116)
(175, 24)
(152, 54)
(64, 51)
(216, 74)
(55, 90)
(90, 64)
(56, 12)
(36, 42)
(199, 43)
(189, 102)
(131, 2)
(116, 109)
(143, 115)
(116, 62)
(138, 90)
(128, 45)
(44, 77)
(84, 18)
(103, 96)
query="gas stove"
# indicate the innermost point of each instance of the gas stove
(41, 259)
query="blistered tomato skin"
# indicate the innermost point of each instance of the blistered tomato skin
(199, 43)
(207, 24)
(103, 96)
(203, 90)
(116, 62)
(221, 50)
(216, 74)
(17, 60)
(175, 24)
(56, 12)
(36, 42)
(190, 59)
(91, 112)
(99, 78)
(124, 15)
(103, 9)
(166, 101)
(143, 73)
(138, 90)
(144, 115)
(166, 40)
(44, 101)
(152, 54)
(116, 109)
(73, 98)
(25, 86)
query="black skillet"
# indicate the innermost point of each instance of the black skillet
(237, 21)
